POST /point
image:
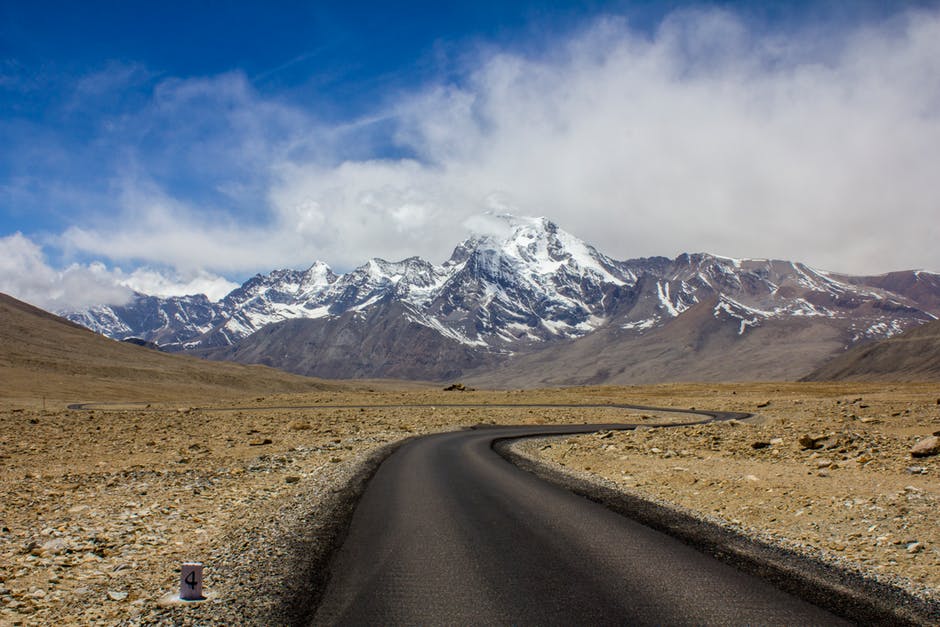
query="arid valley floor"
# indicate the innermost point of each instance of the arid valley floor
(101, 504)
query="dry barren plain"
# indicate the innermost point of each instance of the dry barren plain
(99, 505)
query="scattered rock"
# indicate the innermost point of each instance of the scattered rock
(764, 404)
(458, 387)
(300, 425)
(53, 547)
(260, 442)
(115, 595)
(927, 447)
(916, 470)
(810, 442)
(291, 479)
(759, 444)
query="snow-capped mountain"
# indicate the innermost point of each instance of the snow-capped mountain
(515, 292)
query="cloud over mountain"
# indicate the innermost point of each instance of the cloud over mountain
(26, 274)
(705, 132)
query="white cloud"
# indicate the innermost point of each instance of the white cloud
(701, 136)
(154, 283)
(26, 274)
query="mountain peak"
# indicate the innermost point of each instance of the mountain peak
(319, 274)
(533, 246)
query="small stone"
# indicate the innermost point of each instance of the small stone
(915, 547)
(115, 595)
(823, 463)
(260, 442)
(759, 445)
(927, 447)
(52, 547)
(291, 479)
(300, 425)
(916, 470)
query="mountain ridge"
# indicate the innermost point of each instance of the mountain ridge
(526, 286)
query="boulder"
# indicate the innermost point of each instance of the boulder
(926, 447)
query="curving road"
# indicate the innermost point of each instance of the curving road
(448, 532)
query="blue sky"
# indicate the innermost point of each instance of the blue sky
(181, 147)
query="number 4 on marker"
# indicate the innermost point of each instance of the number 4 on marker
(191, 579)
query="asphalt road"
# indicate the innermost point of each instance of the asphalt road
(448, 532)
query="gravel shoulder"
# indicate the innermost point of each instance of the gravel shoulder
(98, 507)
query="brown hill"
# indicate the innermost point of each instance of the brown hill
(696, 346)
(911, 356)
(382, 342)
(45, 356)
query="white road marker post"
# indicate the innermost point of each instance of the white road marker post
(191, 581)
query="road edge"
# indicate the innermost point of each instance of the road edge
(282, 566)
(304, 584)
(851, 594)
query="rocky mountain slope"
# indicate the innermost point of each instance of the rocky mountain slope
(911, 356)
(531, 296)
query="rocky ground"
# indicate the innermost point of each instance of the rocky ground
(99, 506)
